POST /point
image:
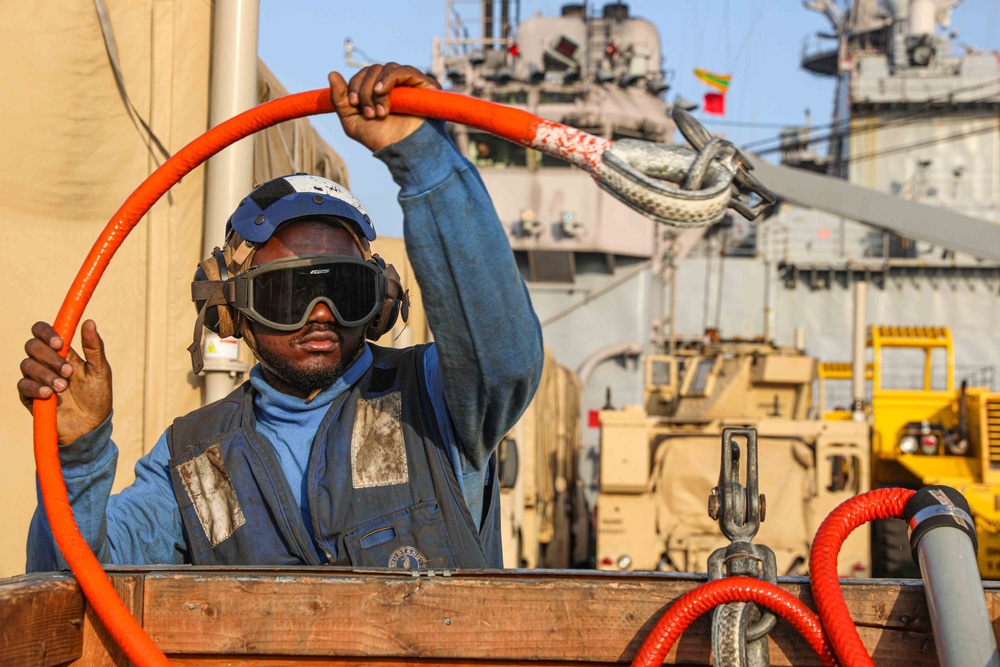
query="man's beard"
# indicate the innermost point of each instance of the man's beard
(306, 379)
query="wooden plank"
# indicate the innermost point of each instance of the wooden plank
(99, 648)
(514, 617)
(41, 620)
(287, 661)
(320, 617)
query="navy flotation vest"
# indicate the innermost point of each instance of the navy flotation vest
(382, 491)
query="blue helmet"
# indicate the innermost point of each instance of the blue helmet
(297, 196)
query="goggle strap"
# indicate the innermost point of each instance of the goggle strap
(208, 290)
(197, 359)
(214, 294)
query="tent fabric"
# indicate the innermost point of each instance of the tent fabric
(72, 156)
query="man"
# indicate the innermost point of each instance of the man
(335, 451)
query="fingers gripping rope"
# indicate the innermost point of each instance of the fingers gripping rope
(582, 149)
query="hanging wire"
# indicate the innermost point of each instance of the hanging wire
(923, 110)
(920, 144)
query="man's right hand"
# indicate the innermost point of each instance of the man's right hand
(82, 384)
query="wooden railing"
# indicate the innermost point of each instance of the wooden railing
(340, 617)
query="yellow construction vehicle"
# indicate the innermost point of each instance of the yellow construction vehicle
(925, 431)
(660, 461)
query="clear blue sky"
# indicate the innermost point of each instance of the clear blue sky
(759, 42)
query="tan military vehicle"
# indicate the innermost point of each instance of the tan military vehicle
(545, 521)
(660, 461)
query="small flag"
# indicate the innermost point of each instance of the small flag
(715, 103)
(718, 81)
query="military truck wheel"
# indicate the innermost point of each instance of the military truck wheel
(891, 557)
(582, 555)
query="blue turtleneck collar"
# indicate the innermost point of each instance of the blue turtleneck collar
(272, 402)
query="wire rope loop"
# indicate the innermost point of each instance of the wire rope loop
(652, 179)
(746, 183)
(731, 647)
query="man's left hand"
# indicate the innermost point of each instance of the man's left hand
(364, 108)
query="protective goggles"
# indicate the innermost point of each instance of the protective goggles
(282, 293)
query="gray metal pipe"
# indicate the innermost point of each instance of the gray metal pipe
(233, 90)
(858, 361)
(963, 633)
(941, 534)
(605, 353)
(229, 174)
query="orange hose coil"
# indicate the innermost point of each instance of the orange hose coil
(519, 126)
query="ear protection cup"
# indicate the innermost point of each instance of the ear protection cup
(214, 312)
(395, 304)
(219, 317)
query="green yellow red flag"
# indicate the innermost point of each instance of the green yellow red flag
(718, 81)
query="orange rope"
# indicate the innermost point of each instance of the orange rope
(95, 584)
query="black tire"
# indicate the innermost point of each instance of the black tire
(556, 554)
(891, 557)
(581, 537)
(508, 463)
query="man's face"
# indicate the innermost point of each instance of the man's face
(298, 362)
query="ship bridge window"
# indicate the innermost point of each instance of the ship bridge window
(561, 54)
(557, 97)
(485, 150)
(510, 97)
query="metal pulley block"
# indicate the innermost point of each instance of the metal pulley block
(680, 185)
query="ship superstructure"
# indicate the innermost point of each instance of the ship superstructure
(914, 115)
(586, 257)
(602, 74)
(914, 119)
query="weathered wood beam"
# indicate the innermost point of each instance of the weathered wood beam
(276, 617)
(41, 620)
(511, 617)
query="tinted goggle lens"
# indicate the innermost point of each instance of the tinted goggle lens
(285, 295)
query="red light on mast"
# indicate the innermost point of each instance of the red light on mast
(611, 50)
(514, 51)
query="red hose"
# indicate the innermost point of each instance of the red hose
(694, 603)
(519, 126)
(854, 512)
(845, 646)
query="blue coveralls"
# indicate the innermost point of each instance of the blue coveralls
(479, 375)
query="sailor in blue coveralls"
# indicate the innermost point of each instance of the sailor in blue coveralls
(336, 451)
